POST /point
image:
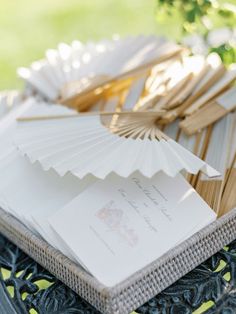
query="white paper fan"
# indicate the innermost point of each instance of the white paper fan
(90, 144)
(65, 69)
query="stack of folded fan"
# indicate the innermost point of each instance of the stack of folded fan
(106, 142)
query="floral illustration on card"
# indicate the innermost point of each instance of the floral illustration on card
(115, 218)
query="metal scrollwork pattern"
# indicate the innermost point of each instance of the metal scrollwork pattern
(25, 287)
(209, 288)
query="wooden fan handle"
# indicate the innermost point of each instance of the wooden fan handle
(209, 114)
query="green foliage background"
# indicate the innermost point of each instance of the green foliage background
(201, 17)
(28, 27)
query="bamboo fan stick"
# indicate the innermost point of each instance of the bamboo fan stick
(153, 96)
(220, 86)
(212, 76)
(228, 201)
(127, 125)
(131, 125)
(210, 113)
(207, 82)
(205, 137)
(148, 101)
(157, 88)
(139, 70)
(160, 80)
(232, 146)
(126, 131)
(137, 128)
(155, 113)
(136, 132)
(211, 192)
(118, 87)
(232, 164)
(156, 76)
(178, 134)
(185, 92)
(86, 101)
(157, 73)
(217, 155)
(229, 169)
(153, 82)
(72, 87)
(165, 102)
(160, 135)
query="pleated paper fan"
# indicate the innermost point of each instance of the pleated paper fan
(60, 66)
(100, 145)
(70, 68)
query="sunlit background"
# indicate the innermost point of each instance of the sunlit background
(28, 27)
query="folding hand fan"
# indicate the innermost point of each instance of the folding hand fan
(102, 144)
(78, 68)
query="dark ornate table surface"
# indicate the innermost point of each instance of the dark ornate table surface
(28, 288)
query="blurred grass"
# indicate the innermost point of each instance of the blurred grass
(27, 27)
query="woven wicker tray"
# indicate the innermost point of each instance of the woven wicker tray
(140, 287)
